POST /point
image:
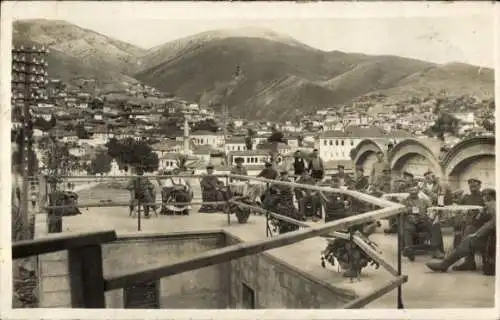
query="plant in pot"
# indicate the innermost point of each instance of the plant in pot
(242, 214)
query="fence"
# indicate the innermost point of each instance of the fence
(88, 285)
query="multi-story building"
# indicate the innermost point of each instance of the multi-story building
(236, 143)
(337, 145)
(213, 139)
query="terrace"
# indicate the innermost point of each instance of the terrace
(298, 251)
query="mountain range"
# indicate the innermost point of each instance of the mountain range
(257, 73)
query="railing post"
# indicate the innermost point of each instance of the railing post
(86, 277)
(267, 212)
(139, 215)
(400, 251)
(227, 203)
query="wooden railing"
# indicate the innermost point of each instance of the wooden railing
(85, 254)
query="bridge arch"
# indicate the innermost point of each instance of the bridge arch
(415, 156)
(472, 157)
(364, 154)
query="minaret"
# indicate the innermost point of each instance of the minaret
(186, 136)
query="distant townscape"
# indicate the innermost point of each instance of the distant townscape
(90, 106)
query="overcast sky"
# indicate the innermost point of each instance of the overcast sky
(427, 35)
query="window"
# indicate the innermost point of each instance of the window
(342, 142)
(336, 142)
(247, 297)
(331, 142)
(352, 142)
(325, 142)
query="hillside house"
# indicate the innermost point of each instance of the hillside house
(203, 137)
(250, 157)
(236, 143)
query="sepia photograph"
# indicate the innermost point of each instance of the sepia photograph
(254, 159)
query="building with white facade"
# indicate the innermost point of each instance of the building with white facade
(213, 139)
(337, 145)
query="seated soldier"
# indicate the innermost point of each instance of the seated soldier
(211, 191)
(238, 169)
(417, 221)
(483, 239)
(473, 221)
(306, 198)
(142, 192)
(360, 182)
(177, 189)
(269, 172)
(335, 204)
(282, 203)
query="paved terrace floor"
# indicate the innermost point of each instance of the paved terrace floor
(424, 288)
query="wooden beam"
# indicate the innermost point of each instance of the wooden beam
(356, 194)
(60, 242)
(86, 277)
(363, 301)
(126, 204)
(104, 179)
(272, 214)
(229, 253)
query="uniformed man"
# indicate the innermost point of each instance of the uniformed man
(268, 172)
(474, 198)
(480, 239)
(409, 179)
(417, 219)
(238, 169)
(210, 190)
(360, 183)
(378, 168)
(307, 200)
(142, 191)
(336, 204)
(431, 187)
(343, 177)
(383, 183)
(316, 166)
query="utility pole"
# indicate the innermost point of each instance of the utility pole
(29, 76)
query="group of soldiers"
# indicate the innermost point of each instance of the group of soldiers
(473, 231)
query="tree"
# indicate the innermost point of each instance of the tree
(133, 153)
(101, 163)
(445, 123)
(488, 125)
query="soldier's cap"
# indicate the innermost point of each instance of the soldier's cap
(238, 160)
(428, 173)
(386, 169)
(315, 150)
(399, 181)
(210, 166)
(340, 166)
(379, 152)
(474, 180)
(489, 192)
(408, 174)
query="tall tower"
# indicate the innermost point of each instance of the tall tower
(225, 120)
(186, 136)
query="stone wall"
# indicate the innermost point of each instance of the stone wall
(278, 285)
(202, 289)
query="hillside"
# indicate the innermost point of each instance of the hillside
(280, 77)
(88, 46)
